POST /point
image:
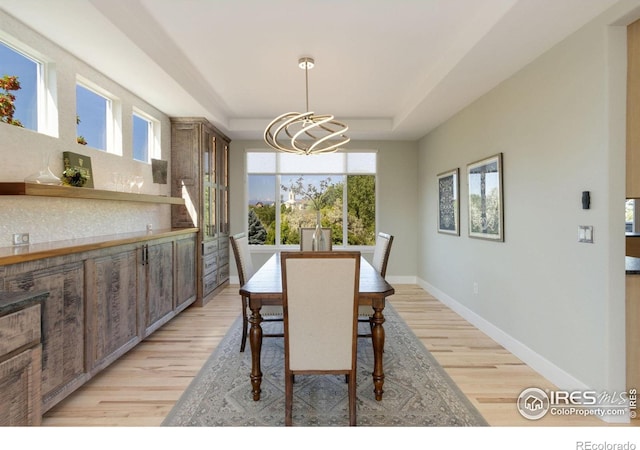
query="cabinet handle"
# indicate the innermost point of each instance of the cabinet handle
(145, 255)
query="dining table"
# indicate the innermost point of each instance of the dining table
(265, 288)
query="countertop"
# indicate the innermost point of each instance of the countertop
(18, 254)
(13, 301)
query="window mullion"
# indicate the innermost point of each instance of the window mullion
(40, 89)
(345, 210)
(108, 120)
(150, 141)
(278, 240)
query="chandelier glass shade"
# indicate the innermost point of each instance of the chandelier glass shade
(306, 133)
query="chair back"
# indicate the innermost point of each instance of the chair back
(320, 299)
(240, 246)
(306, 239)
(381, 253)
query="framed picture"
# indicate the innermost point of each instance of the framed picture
(81, 163)
(159, 171)
(449, 202)
(486, 211)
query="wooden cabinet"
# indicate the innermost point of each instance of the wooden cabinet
(633, 110)
(156, 285)
(199, 173)
(112, 325)
(185, 272)
(103, 300)
(63, 321)
(20, 366)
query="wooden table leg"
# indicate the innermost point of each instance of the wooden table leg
(255, 340)
(377, 338)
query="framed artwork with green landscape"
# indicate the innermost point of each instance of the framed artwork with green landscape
(486, 210)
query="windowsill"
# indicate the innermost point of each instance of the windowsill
(281, 248)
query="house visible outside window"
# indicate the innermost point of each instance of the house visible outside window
(288, 192)
(97, 118)
(146, 137)
(35, 101)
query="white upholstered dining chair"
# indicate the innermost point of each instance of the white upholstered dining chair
(306, 238)
(379, 262)
(320, 299)
(240, 246)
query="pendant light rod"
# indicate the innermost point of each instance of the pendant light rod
(306, 63)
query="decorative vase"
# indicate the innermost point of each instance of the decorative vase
(319, 243)
(73, 177)
(44, 175)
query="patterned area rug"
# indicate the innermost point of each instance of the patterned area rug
(417, 391)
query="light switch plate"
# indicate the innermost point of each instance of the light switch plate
(585, 234)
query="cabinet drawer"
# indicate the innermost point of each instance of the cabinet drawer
(210, 282)
(209, 264)
(20, 396)
(209, 247)
(223, 244)
(223, 274)
(223, 258)
(19, 329)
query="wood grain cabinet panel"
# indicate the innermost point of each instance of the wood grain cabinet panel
(185, 272)
(633, 110)
(112, 319)
(20, 368)
(63, 316)
(156, 285)
(18, 378)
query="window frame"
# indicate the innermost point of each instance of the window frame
(113, 116)
(45, 88)
(269, 248)
(153, 135)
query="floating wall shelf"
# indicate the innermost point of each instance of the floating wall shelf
(45, 190)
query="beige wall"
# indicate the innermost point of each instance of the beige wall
(555, 302)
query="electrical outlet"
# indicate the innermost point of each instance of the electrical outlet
(21, 239)
(475, 287)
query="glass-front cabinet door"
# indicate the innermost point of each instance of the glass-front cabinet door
(223, 185)
(209, 188)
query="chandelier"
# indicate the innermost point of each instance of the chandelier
(306, 133)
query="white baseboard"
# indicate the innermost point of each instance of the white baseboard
(537, 362)
(401, 280)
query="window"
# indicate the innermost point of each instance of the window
(97, 118)
(35, 100)
(288, 192)
(146, 141)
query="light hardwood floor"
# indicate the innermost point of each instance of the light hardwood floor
(141, 387)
